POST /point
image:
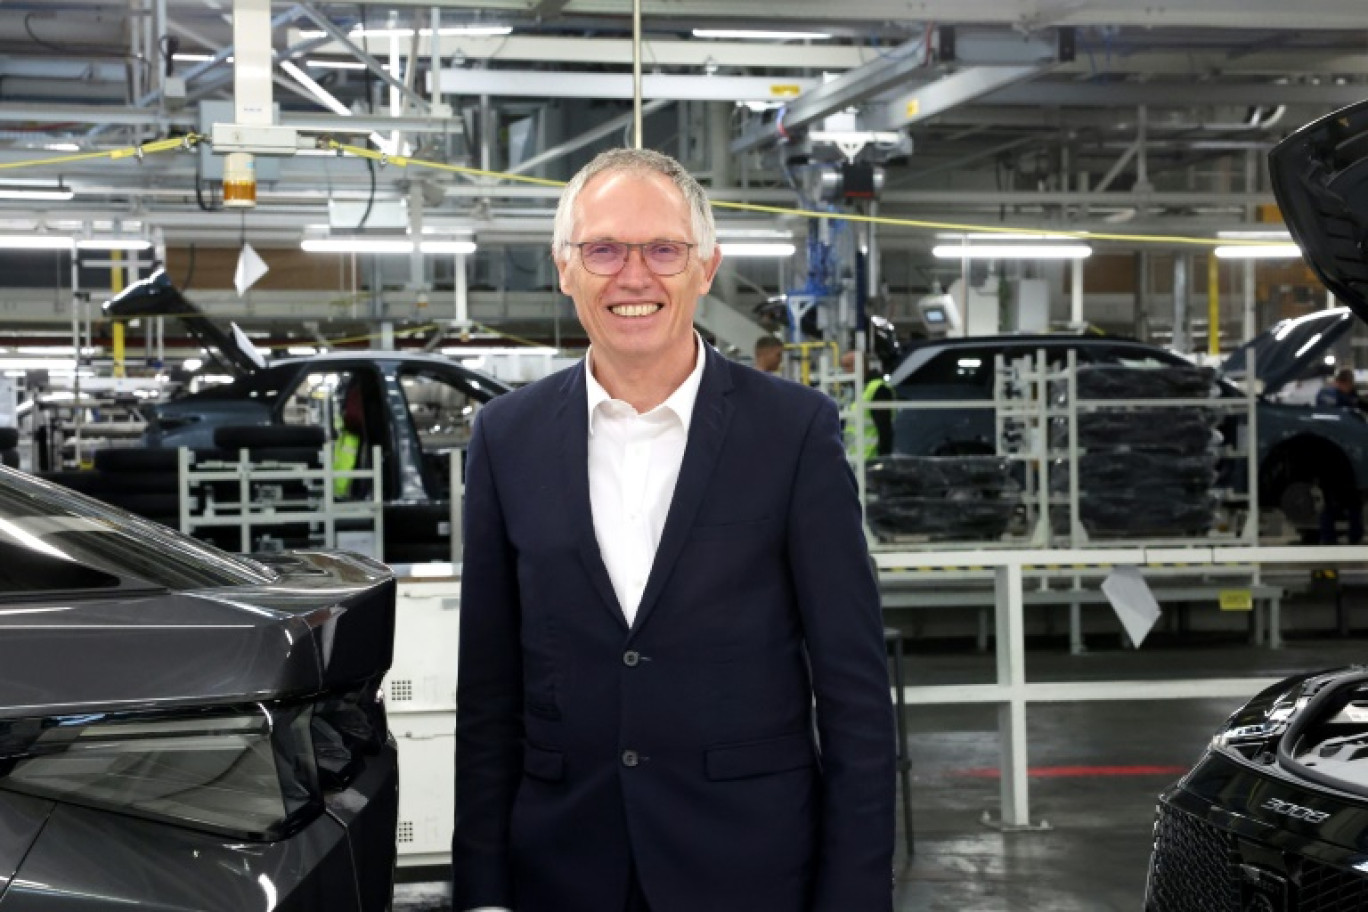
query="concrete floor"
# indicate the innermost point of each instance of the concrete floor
(1093, 854)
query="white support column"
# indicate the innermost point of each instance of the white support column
(1076, 293)
(1011, 676)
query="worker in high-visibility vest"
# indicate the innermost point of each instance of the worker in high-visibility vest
(347, 446)
(878, 424)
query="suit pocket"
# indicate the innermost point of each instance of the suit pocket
(543, 708)
(540, 763)
(760, 758)
(744, 529)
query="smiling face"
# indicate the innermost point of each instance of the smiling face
(636, 319)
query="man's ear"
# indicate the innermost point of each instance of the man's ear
(561, 267)
(710, 268)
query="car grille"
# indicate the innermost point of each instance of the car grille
(1195, 870)
(1327, 889)
(1191, 870)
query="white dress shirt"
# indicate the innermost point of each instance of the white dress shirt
(634, 462)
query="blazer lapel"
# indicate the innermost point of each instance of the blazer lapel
(573, 458)
(707, 431)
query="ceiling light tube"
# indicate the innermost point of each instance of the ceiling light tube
(458, 247)
(383, 246)
(336, 64)
(1259, 252)
(35, 242)
(469, 31)
(1011, 251)
(759, 35)
(58, 192)
(113, 244)
(1268, 235)
(742, 249)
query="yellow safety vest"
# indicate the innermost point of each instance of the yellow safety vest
(870, 443)
(345, 450)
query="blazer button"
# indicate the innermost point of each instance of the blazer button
(630, 758)
(631, 658)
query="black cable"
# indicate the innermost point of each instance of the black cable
(168, 45)
(370, 166)
(199, 196)
(370, 89)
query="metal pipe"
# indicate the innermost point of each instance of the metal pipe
(1213, 305)
(1180, 341)
(636, 74)
(585, 138)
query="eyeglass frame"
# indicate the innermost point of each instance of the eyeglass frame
(640, 248)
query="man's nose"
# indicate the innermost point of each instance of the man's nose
(635, 269)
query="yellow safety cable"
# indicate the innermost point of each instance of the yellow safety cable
(149, 148)
(190, 140)
(404, 162)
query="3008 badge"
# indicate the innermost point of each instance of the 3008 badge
(1295, 811)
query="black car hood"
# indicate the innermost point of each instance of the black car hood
(1291, 349)
(1320, 179)
(326, 622)
(155, 296)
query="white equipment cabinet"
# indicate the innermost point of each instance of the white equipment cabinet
(420, 698)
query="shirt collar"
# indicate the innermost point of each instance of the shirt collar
(681, 401)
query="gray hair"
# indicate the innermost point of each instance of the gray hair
(636, 161)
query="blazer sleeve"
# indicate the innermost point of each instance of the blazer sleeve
(843, 626)
(489, 724)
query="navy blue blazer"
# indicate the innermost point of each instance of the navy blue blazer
(685, 744)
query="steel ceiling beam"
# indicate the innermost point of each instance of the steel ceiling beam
(591, 135)
(1167, 94)
(340, 37)
(566, 84)
(942, 95)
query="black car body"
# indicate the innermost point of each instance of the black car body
(417, 408)
(181, 728)
(1300, 448)
(1273, 817)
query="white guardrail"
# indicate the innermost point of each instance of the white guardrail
(1012, 692)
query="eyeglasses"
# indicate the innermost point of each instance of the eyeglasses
(606, 258)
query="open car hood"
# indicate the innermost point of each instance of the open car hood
(1292, 349)
(155, 296)
(1320, 179)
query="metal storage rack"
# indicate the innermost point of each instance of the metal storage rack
(257, 507)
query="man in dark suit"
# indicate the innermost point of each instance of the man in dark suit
(672, 685)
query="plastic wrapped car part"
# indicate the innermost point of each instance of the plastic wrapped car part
(939, 518)
(938, 475)
(1147, 470)
(1106, 381)
(1154, 512)
(1190, 430)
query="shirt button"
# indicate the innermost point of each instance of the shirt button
(630, 758)
(631, 658)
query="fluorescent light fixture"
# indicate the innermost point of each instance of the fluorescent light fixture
(743, 249)
(113, 244)
(383, 245)
(1003, 236)
(469, 31)
(323, 96)
(62, 147)
(302, 350)
(447, 247)
(59, 192)
(759, 35)
(336, 64)
(1259, 252)
(65, 365)
(35, 242)
(197, 58)
(1280, 234)
(1011, 251)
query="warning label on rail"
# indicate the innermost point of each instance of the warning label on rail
(1237, 600)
